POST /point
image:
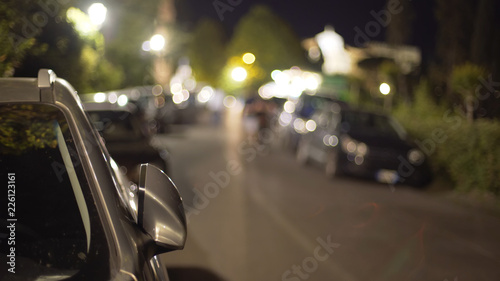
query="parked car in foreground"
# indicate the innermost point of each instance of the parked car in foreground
(69, 212)
(127, 136)
(361, 143)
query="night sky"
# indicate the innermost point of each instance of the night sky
(308, 18)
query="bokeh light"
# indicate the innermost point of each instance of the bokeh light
(385, 89)
(239, 74)
(157, 42)
(97, 13)
(248, 58)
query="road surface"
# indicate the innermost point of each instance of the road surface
(255, 214)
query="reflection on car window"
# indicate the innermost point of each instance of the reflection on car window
(58, 232)
(369, 123)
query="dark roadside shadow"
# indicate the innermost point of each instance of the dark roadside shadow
(192, 274)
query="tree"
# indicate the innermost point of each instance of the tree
(15, 41)
(399, 33)
(78, 58)
(133, 23)
(465, 81)
(270, 39)
(206, 51)
(399, 29)
(454, 18)
(482, 50)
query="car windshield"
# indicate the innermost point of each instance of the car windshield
(371, 124)
(52, 223)
(116, 126)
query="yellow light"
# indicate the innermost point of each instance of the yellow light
(81, 21)
(248, 58)
(157, 42)
(239, 74)
(385, 89)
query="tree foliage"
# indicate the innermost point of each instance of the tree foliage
(74, 57)
(399, 28)
(465, 81)
(133, 23)
(454, 18)
(269, 38)
(13, 44)
(207, 51)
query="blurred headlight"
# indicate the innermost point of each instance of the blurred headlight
(311, 125)
(353, 147)
(415, 156)
(348, 144)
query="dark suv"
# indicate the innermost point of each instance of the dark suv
(362, 143)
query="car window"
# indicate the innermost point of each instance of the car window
(52, 216)
(369, 123)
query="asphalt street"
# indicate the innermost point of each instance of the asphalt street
(255, 214)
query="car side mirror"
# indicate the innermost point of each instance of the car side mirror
(160, 211)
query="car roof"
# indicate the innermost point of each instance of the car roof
(47, 88)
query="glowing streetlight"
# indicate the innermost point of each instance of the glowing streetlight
(248, 58)
(157, 42)
(239, 74)
(385, 89)
(97, 14)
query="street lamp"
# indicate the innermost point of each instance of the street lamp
(239, 74)
(157, 42)
(385, 89)
(97, 14)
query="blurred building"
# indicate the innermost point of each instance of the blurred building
(367, 64)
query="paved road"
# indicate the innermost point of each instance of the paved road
(255, 214)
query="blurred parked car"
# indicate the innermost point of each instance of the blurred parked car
(69, 212)
(155, 107)
(127, 136)
(295, 115)
(365, 144)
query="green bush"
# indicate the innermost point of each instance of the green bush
(469, 154)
